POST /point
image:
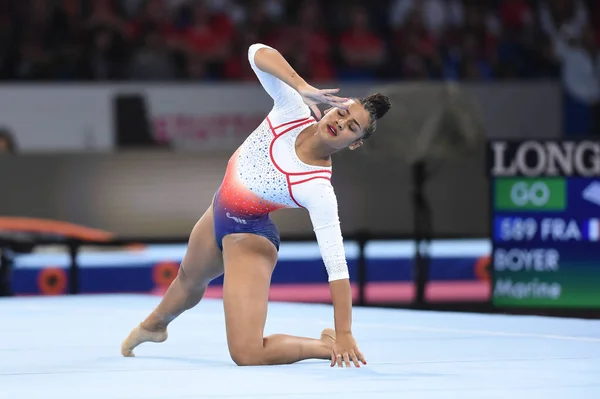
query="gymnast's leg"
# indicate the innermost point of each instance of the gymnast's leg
(201, 264)
(249, 263)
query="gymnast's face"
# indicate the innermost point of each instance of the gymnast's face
(344, 128)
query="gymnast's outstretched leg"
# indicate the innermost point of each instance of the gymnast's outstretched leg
(249, 263)
(201, 264)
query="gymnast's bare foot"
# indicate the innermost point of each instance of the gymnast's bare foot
(140, 335)
(328, 337)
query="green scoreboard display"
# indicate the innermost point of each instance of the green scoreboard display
(545, 223)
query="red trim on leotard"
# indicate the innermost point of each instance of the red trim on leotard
(289, 183)
(271, 127)
(298, 122)
(277, 166)
(289, 123)
(311, 178)
(294, 127)
(288, 174)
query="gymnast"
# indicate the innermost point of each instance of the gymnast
(284, 163)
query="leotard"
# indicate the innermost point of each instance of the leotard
(265, 174)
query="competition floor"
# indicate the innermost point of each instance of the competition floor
(68, 347)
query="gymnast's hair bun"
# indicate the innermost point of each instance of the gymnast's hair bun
(380, 104)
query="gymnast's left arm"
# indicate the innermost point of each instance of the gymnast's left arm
(318, 197)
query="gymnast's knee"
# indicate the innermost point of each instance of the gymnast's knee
(247, 356)
(243, 359)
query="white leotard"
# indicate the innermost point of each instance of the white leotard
(265, 173)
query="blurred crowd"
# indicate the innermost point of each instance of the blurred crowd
(207, 40)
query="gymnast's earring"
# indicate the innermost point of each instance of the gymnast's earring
(355, 145)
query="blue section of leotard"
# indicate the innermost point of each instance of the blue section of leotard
(228, 222)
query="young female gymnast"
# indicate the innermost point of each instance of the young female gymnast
(284, 163)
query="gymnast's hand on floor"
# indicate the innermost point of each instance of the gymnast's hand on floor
(345, 351)
(313, 96)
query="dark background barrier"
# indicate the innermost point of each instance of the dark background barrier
(159, 194)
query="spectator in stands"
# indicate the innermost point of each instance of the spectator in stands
(105, 49)
(515, 53)
(69, 36)
(153, 60)
(556, 14)
(437, 15)
(259, 21)
(8, 45)
(307, 44)
(580, 61)
(475, 64)
(105, 15)
(104, 56)
(34, 56)
(363, 39)
(546, 64)
(363, 52)
(207, 42)
(416, 48)
(233, 10)
(152, 15)
(235, 68)
(469, 51)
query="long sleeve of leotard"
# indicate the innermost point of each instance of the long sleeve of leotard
(288, 102)
(319, 198)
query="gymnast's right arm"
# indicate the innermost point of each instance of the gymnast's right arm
(284, 85)
(319, 198)
(267, 61)
(323, 211)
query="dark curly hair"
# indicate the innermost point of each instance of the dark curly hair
(377, 105)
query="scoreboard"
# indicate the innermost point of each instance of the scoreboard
(545, 223)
